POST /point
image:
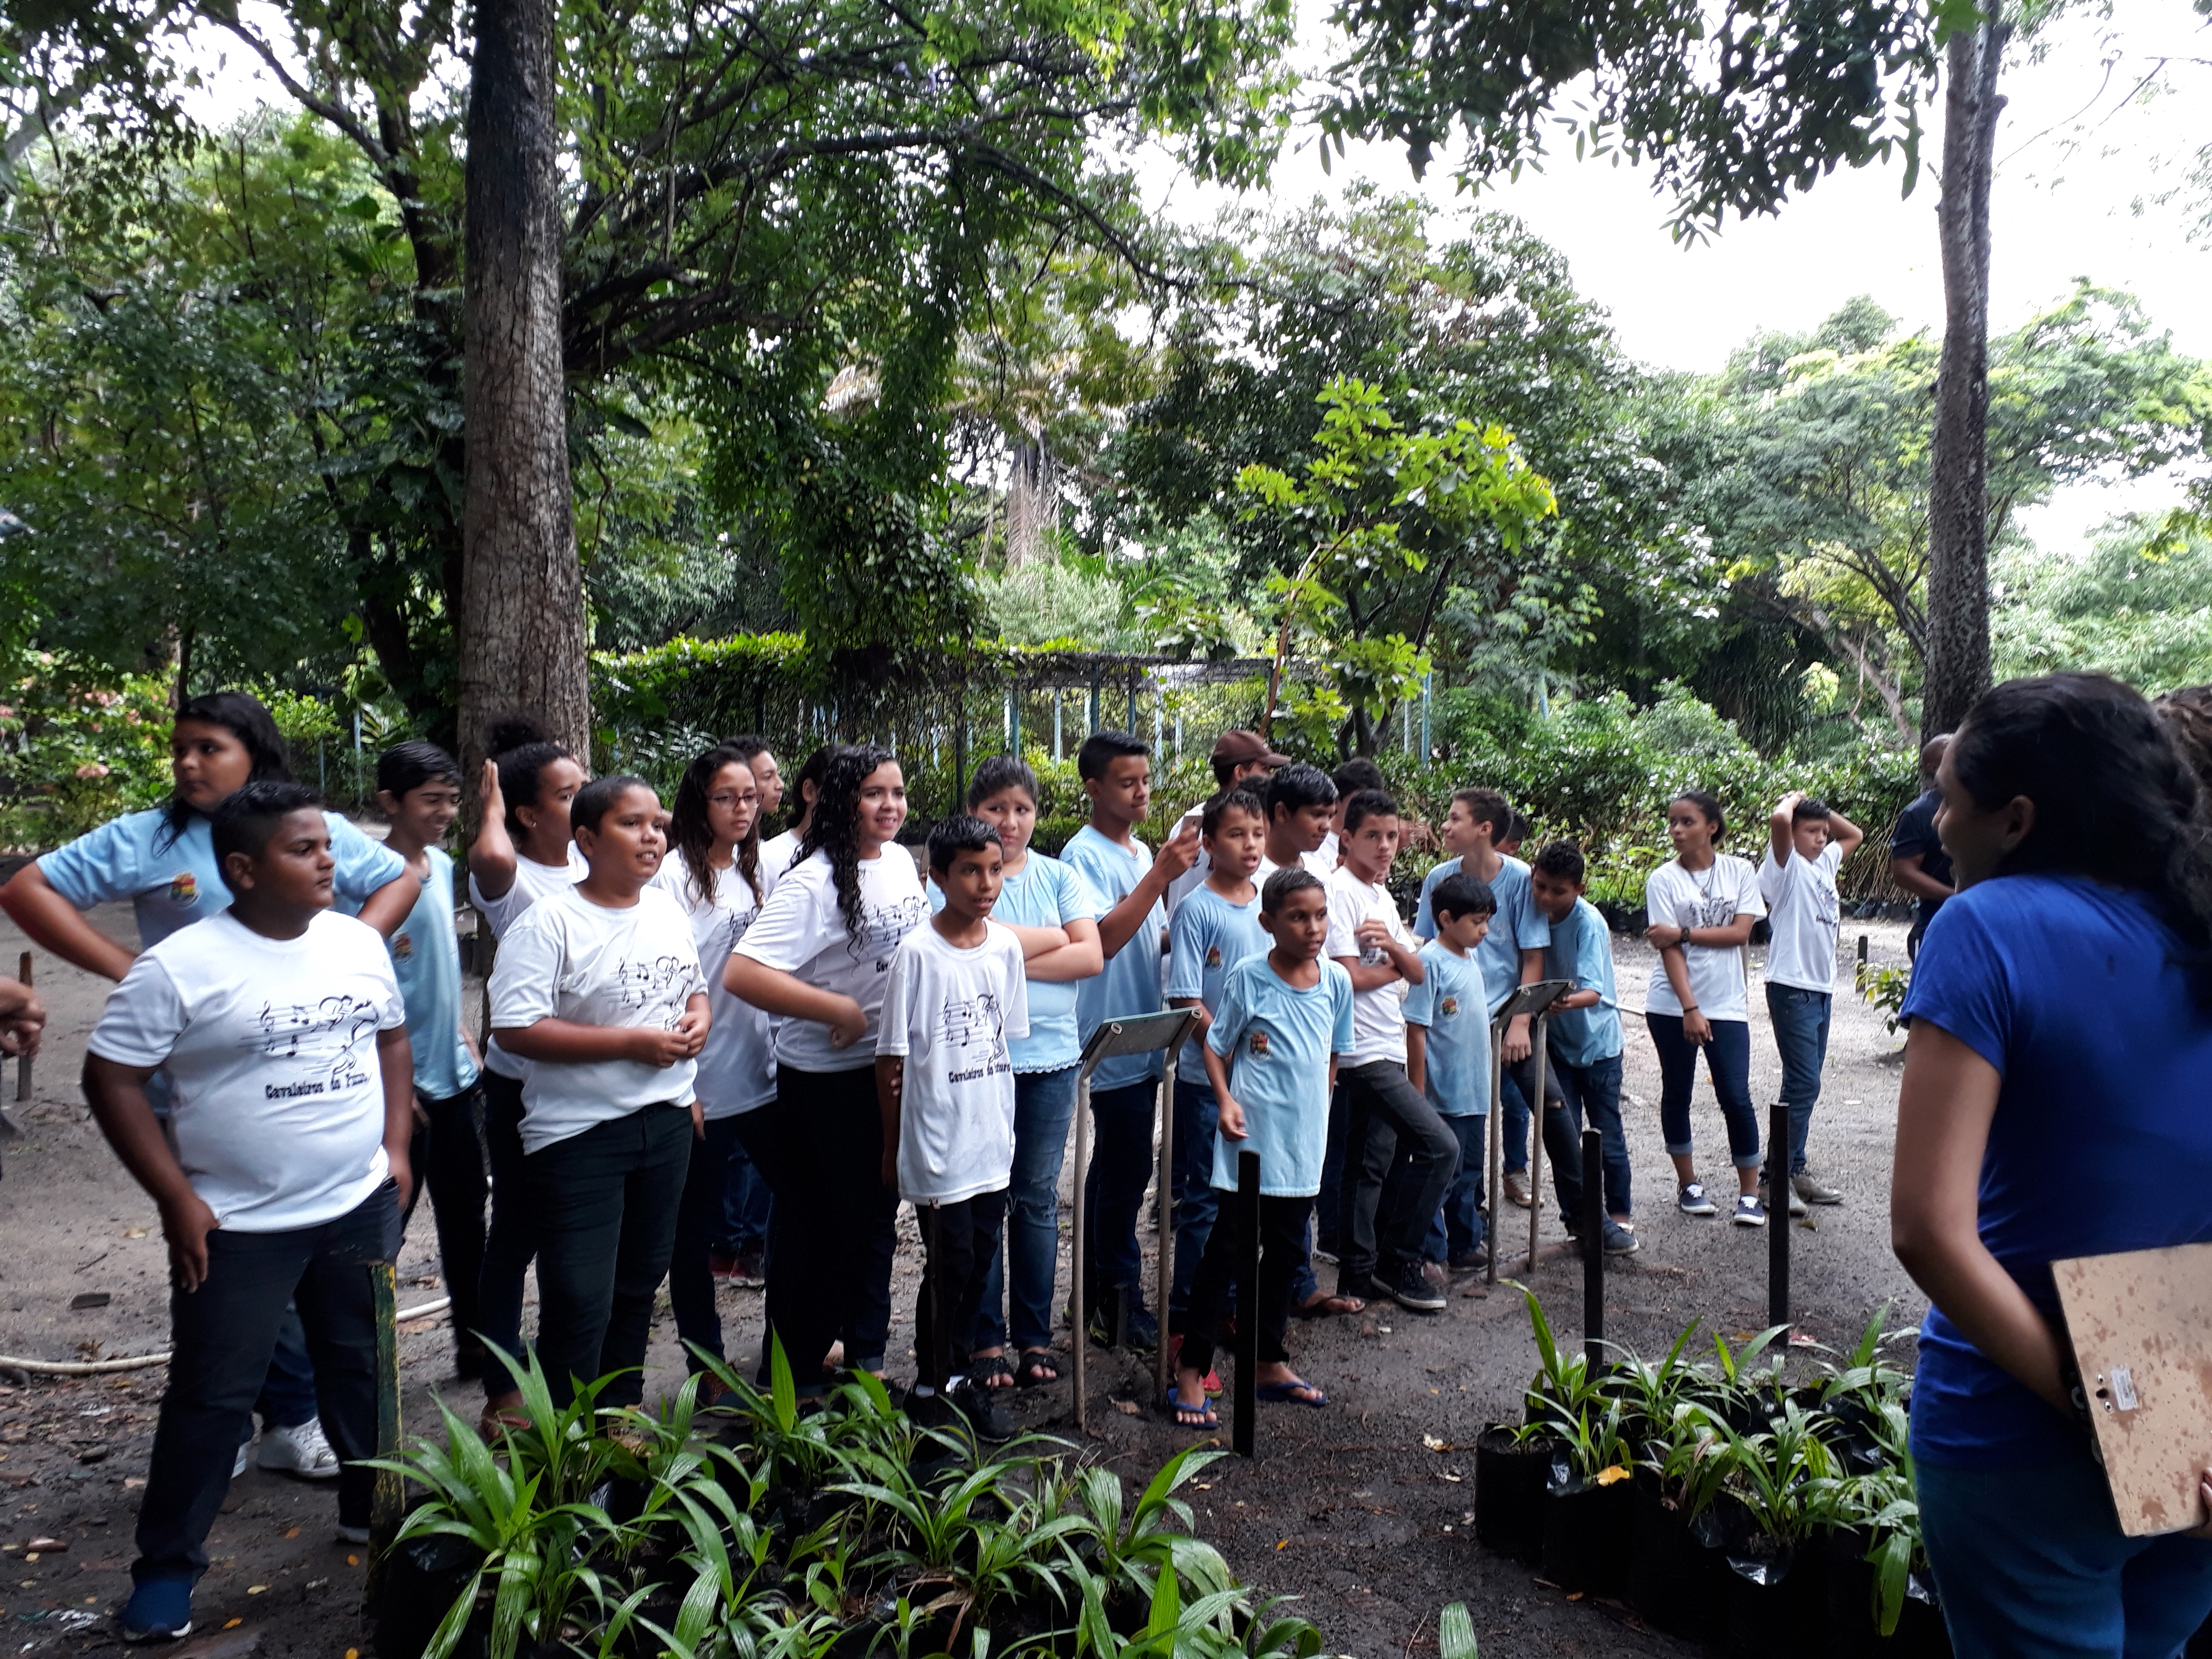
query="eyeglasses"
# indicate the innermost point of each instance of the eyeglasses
(751, 798)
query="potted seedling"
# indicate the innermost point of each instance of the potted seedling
(1776, 1581)
(1590, 1505)
(1676, 1563)
(1513, 1463)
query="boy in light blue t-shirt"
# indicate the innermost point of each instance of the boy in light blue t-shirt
(1271, 1053)
(1215, 927)
(1448, 1057)
(1585, 1042)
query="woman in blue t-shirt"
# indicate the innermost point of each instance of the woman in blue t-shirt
(2053, 1106)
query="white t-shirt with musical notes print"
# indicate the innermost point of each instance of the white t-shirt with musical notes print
(953, 1013)
(1676, 897)
(568, 958)
(270, 1044)
(801, 931)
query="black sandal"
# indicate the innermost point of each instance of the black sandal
(1036, 1369)
(986, 1372)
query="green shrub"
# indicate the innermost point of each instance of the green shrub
(78, 746)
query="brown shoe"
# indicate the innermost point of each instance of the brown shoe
(1517, 1189)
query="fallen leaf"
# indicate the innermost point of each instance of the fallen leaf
(233, 1624)
(1574, 1596)
(353, 1560)
(129, 1481)
(1127, 1407)
(1454, 1478)
(255, 1590)
(1435, 1445)
(295, 1533)
(32, 1556)
(54, 1545)
(1613, 1477)
(1284, 1545)
(140, 1232)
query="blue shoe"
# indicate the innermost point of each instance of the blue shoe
(1619, 1241)
(1692, 1201)
(1749, 1212)
(160, 1610)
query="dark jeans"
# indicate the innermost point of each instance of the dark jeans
(1801, 1032)
(1593, 1095)
(843, 1233)
(2030, 1564)
(1017, 1304)
(1727, 1062)
(1563, 1131)
(959, 1241)
(1329, 1203)
(1198, 1201)
(1457, 1229)
(1282, 1246)
(1388, 1116)
(769, 1135)
(1120, 1164)
(605, 1203)
(1516, 1084)
(448, 1154)
(221, 1336)
(288, 1393)
(698, 1221)
(512, 1240)
(745, 1203)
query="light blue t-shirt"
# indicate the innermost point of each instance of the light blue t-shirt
(1581, 950)
(426, 960)
(1044, 893)
(1518, 925)
(1449, 1002)
(1131, 983)
(1277, 1041)
(173, 882)
(2079, 996)
(1207, 938)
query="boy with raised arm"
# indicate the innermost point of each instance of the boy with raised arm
(284, 1037)
(1807, 842)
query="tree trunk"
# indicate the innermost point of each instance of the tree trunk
(522, 635)
(1957, 664)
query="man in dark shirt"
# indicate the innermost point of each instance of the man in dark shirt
(1917, 862)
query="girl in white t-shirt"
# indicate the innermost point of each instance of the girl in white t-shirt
(713, 873)
(1701, 905)
(817, 957)
(522, 853)
(598, 987)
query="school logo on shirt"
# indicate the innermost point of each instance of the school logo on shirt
(185, 889)
(1214, 956)
(1258, 1045)
(403, 947)
(973, 1030)
(1448, 1007)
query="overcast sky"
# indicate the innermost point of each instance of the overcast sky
(2082, 168)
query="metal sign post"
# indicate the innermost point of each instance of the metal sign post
(1533, 999)
(1140, 1034)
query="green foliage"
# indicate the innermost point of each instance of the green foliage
(1886, 987)
(81, 745)
(2133, 603)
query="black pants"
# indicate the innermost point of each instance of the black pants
(843, 1235)
(769, 1134)
(512, 1239)
(606, 1204)
(1282, 1247)
(1388, 1116)
(962, 1240)
(699, 1224)
(1563, 1134)
(448, 1154)
(221, 1336)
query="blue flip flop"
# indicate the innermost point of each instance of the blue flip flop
(1287, 1393)
(1206, 1417)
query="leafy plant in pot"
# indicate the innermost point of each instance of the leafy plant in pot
(1854, 1395)
(1512, 1464)
(1590, 1505)
(1881, 1598)
(1779, 1480)
(1677, 1569)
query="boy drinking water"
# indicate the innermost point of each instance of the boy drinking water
(1448, 1053)
(1585, 1042)
(1807, 842)
(955, 997)
(1270, 1055)
(1217, 926)
(281, 1029)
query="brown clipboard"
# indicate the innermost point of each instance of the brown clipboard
(2140, 1326)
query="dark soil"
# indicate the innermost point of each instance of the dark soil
(1362, 1510)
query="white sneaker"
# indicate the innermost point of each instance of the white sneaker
(300, 1451)
(352, 1534)
(239, 1467)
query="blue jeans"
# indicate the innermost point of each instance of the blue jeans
(1121, 1165)
(1593, 1095)
(1197, 1203)
(745, 1203)
(1457, 1230)
(1044, 1101)
(1728, 1061)
(2030, 1564)
(1801, 1032)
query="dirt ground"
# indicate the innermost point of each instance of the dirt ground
(1362, 1510)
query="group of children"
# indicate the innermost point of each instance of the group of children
(676, 1002)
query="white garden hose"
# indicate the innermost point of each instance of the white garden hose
(102, 1367)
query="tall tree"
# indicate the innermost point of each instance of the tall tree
(522, 634)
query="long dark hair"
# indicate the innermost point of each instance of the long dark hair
(522, 748)
(2115, 799)
(692, 834)
(834, 828)
(242, 715)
